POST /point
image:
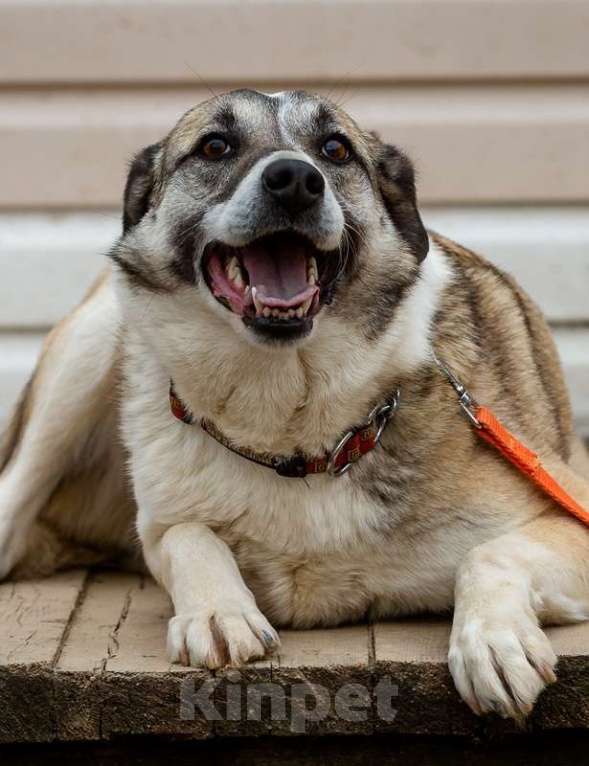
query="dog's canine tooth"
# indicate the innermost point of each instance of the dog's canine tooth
(300, 312)
(233, 270)
(257, 302)
(306, 305)
(312, 273)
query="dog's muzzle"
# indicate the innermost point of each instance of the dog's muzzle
(276, 284)
(276, 252)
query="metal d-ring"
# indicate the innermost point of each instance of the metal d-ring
(385, 413)
(332, 469)
(381, 414)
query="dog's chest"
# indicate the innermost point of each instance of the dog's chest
(319, 550)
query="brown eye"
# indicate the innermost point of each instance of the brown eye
(336, 149)
(214, 147)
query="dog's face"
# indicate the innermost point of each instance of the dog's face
(270, 209)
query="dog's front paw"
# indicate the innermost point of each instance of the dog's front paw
(229, 635)
(500, 667)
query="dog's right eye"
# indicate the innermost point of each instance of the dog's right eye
(214, 147)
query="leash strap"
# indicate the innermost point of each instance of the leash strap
(489, 428)
(526, 461)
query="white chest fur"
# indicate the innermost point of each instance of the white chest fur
(288, 535)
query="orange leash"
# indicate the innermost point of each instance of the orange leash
(527, 462)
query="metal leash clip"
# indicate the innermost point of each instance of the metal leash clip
(467, 402)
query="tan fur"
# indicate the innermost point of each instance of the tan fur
(84, 512)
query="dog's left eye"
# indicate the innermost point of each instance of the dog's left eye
(336, 149)
(214, 147)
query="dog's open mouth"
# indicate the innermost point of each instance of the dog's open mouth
(274, 283)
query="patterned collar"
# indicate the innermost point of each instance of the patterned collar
(355, 443)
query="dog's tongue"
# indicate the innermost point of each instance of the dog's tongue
(279, 274)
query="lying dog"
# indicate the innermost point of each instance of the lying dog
(274, 289)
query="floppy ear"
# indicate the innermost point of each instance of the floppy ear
(139, 186)
(396, 180)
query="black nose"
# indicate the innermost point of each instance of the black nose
(294, 184)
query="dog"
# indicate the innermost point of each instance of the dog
(273, 340)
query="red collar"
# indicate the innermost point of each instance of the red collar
(350, 448)
(365, 437)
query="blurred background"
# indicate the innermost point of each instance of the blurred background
(489, 97)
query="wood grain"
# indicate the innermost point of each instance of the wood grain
(101, 672)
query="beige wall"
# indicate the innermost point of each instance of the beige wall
(490, 97)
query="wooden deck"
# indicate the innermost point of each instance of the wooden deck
(82, 658)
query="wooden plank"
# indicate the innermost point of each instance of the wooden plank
(321, 671)
(412, 655)
(79, 691)
(144, 693)
(34, 617)
(412, 640)
(141, 637)
(516, 143)
(93, 636)
(166, 41)
(327, 648)
(108, 675)
(113, 677)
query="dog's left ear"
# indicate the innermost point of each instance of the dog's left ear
(396, 181)
(139, 186)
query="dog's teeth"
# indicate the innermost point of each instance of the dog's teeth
(257, 302)
(299, 312)
(275, 313)
(232, 267)
(233, 270)
(291, 313)
(266, 312)
(312, 273)
(306, 305)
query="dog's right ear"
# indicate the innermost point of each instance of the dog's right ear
(139, 186)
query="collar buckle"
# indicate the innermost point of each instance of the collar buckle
(292, 468)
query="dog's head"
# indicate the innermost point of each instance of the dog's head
(270, 208)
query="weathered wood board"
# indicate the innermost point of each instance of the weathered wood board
(82, 658)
